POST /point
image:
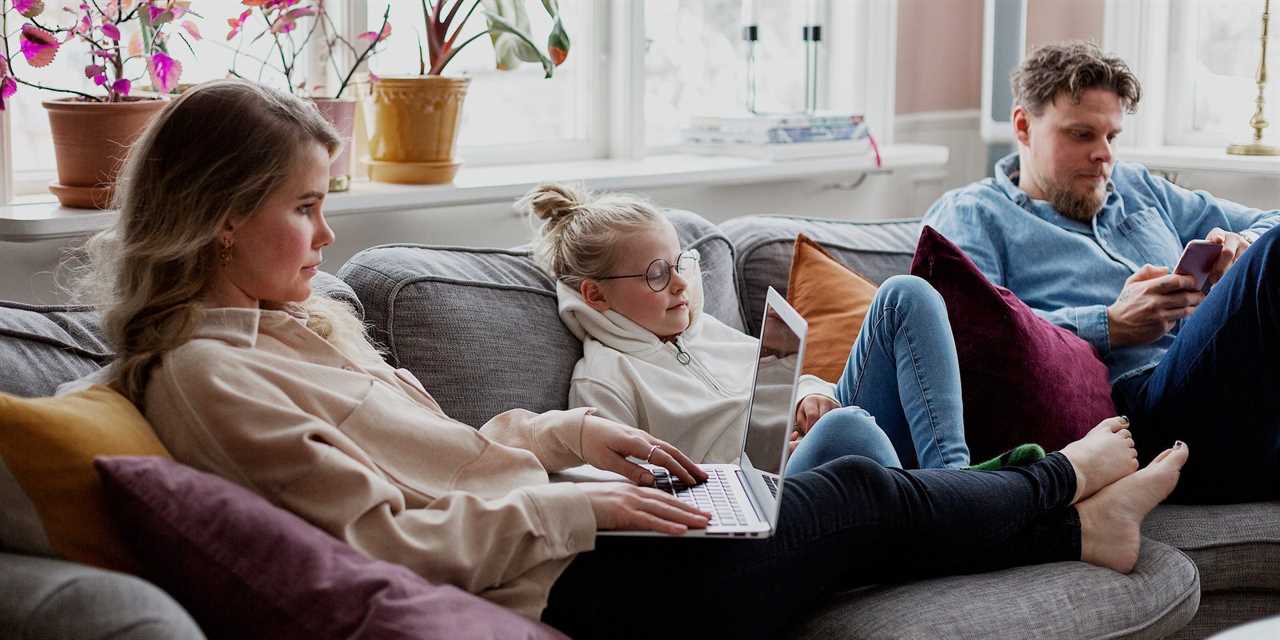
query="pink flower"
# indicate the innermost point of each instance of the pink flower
(288, 21)
(38, 46)
(121, 86)
(111, 31)
(8, 85)
(29, 8)
(164, 71)
(93, 70)
(376, 36)
(236, 23)
(191, 29)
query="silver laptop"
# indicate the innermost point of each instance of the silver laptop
(743, 497)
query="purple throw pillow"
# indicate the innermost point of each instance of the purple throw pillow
(244, 568)
(1023, 378)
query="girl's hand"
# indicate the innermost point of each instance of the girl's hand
(618, 505)
(812, 407)
(606, 444)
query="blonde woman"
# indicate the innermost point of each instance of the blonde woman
(244, 373)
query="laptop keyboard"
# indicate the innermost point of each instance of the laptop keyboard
(713, 496)
(771, 482)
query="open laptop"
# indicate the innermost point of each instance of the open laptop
(743, 497)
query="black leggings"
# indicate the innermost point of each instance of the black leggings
(847, 523)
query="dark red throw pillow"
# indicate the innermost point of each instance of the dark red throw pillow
(1023, 379)
(245, 568)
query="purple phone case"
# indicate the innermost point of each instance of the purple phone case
(1197, 259)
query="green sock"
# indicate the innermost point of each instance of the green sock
(1019, 456)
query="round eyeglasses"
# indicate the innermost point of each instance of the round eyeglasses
(658, 275)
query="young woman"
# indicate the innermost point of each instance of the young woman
(652, 359)
(244, 373)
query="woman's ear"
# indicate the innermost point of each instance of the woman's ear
(593, 294)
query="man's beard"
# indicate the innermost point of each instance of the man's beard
(1073, 205)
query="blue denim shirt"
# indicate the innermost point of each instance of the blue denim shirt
(1070, 271)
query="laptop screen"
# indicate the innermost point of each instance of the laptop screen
(770, 412)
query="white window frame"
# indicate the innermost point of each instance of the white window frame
(1138, 31)
(861, 74)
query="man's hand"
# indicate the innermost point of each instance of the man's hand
(1151, 302)
(1233, 245)
(812, 407)
(606, 444)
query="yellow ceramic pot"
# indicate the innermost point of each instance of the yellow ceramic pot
(413, 128)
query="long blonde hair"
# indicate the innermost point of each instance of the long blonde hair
(580, 229)
(211, 156)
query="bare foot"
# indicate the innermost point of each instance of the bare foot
(1102, 456)
(1110, 521)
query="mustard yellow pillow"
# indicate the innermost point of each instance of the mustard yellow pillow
(833, 299)
(51, 500)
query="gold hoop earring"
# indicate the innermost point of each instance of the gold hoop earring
(224, 256)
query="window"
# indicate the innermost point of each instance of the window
(695, 61)
(637, 70)
(34, 167)
(1215, 46)
(509, 112)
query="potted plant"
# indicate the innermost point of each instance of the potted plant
(413, 120)
(291, 26)
(92, 132)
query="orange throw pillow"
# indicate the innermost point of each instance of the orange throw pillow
(834, 300)
(54, 503)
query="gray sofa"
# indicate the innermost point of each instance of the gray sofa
(479, 328)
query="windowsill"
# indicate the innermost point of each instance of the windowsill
(498, 184)
(1206, 159)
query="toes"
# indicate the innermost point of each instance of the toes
(1176, 455)
(1115, 424)
(1124, 433)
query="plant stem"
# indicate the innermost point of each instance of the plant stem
(40, 86)
(436, 69)
(458, 31)
(386, 15)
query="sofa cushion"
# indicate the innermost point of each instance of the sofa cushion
(48, 598)
(247, 569)
(764, 246)
(1023, 378)
(53, 503)
(1236, 546)
(1060, 600)
(833, 300)
(47, 345)
(480, 327)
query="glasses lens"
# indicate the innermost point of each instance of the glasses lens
(658, 275)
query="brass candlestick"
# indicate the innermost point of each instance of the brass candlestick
(1258, 121)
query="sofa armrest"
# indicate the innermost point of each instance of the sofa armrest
(53, 599)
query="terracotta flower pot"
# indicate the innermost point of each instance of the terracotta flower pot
(90, 142)
(341, 113)
(413, 128)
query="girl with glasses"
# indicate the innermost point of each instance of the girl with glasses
(652, 359)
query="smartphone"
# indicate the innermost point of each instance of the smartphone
(1198, 260)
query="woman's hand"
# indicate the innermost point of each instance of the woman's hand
(812, 407)
(618, 505)
(606, 444)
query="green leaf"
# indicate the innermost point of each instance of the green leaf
(511, 43)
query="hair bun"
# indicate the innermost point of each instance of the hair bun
(553, 202)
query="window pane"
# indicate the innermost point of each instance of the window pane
(503, 107)
(695, 61)
(33, 148)
(1225, 48)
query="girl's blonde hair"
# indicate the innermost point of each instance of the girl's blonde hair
(580, 229)
(211, 156)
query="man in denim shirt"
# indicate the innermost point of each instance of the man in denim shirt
(1090, 244)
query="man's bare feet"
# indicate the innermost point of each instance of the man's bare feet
(1111, 520)
(1102, 456)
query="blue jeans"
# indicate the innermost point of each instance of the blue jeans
(844, 431)
(1218, 387)
(848, 523)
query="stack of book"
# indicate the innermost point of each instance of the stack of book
(787, 136)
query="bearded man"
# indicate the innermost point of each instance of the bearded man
(1090, 244)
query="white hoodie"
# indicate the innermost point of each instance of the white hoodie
(631, 376)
